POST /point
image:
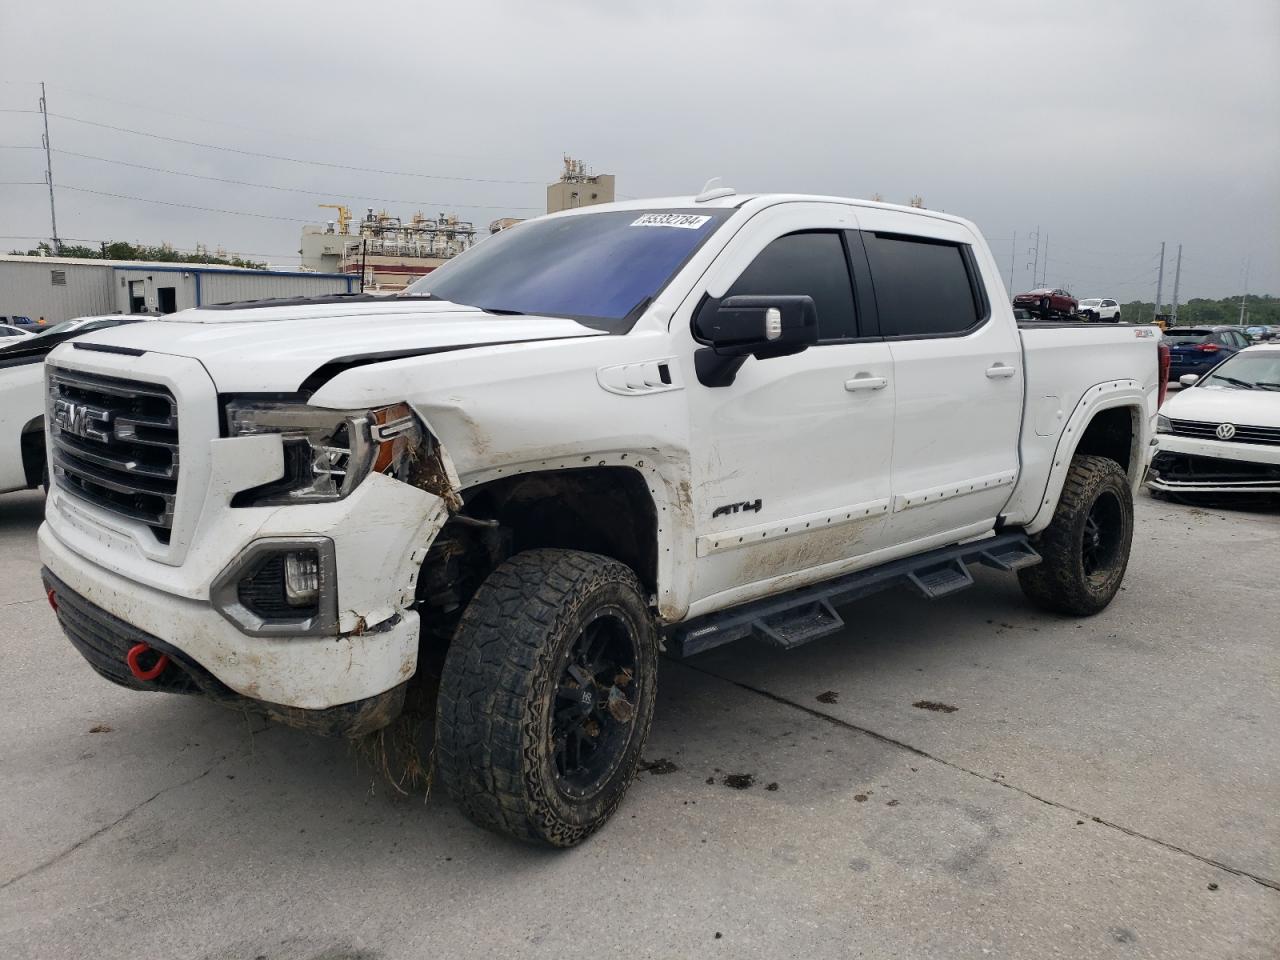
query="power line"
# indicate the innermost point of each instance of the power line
(163, 203)
(275, 156)
(270, 186)
(185, 206)
(292, 135)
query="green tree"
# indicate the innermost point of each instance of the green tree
(1259, 309)
(122, 250)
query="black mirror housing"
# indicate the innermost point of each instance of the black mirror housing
(759, 326)
(750, 326)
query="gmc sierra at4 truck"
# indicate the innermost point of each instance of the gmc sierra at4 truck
(598, 435)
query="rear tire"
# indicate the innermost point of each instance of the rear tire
(547, 696)
(1086, 546)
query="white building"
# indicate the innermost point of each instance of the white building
(59, 288)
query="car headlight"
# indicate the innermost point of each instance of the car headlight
(1163, 424)
(327, 453)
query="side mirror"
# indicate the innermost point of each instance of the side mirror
(750, 326)
(1188, 379)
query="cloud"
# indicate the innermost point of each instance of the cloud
(1110, 126)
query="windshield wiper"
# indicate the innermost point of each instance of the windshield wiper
(504, 313)
(1239, 383)
(1268, 385)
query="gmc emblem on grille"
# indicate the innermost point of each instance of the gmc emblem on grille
(81, 420)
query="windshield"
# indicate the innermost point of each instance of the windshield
(598, 268)
(1247, 371)
(1176, 336)
(68, 325)
(1090, 303)
(50, 336)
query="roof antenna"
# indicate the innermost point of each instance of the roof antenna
(711, 190)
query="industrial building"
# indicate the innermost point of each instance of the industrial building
(389, 253)
(578, 188)
(60, 288)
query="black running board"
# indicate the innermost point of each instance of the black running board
(806, 614)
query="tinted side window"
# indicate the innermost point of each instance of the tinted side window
(922, 286)
(806, 263)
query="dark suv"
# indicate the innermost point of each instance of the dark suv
(1199, 349)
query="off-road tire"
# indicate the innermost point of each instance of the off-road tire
(1060, 583)
(494, 749)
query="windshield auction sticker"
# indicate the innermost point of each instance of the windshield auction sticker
(685, 221)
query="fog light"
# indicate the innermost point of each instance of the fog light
(302, 578)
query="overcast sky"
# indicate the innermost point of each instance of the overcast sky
(1110, 126)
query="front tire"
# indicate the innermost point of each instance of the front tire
(1086, 546)
(547, 696)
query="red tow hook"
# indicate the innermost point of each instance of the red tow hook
(53, 598)
(134, 656)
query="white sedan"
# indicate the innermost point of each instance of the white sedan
(11, 334)
(1223, 434)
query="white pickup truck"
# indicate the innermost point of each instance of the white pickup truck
(659, 425)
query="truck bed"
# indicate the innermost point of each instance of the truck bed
(1063, 362)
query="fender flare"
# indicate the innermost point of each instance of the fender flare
(1101, 396)
(669, 485)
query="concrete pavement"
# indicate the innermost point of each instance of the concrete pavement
(1108, 787)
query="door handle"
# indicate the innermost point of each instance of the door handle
(1000, 371)
(864, 381)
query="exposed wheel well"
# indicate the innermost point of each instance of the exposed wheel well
(33, 456)
(1111, 434)
(604, 510)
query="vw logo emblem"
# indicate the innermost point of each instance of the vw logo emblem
(1226, 431)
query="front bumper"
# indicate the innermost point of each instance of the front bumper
(1191, 465)
(380, 534)
(105, 641)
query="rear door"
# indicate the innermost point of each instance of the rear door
(957, 373)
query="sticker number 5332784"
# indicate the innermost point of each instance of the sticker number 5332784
(685, 221)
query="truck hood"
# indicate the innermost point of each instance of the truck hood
(282, 348)
(1255, 408)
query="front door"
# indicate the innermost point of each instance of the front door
(957, 362)
(791, 461)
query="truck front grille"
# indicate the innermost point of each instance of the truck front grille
(115, 445)
(1209, 431)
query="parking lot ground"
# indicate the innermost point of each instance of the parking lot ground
(1102, 788)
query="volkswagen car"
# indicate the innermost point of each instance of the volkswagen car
(1222, 434)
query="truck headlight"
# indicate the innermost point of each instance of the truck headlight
(1162, 424)
(327, 453)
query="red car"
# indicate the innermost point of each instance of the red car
(1047, 303)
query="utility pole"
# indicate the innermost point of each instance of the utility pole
(1177, 275)
(1160, 280)
(1244, 296)
(1044, 277)
(48, 170)
(1013, 252)
(1035, 265)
